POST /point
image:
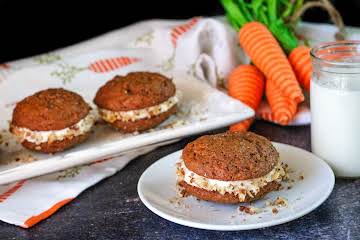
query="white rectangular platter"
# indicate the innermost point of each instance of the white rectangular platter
(201, 108)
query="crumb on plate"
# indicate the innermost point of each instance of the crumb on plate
(249, 210)
(274, 210)
(278, 202)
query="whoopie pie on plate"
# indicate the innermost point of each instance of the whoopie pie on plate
(137, 102)
(52, 120)
(230, 168)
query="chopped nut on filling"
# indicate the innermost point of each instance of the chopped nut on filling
(240, 188)
(38, 137)
(137, 114)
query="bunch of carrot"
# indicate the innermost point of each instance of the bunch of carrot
(267, 40)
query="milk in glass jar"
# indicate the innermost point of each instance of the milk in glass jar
(335, 106)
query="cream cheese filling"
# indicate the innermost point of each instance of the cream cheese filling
(137, 114)
(38, 137)
(240, 188)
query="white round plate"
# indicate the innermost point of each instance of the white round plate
(312, 181)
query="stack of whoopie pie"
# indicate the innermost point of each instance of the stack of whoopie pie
(53, 120)
(230, 167)
(137, 102)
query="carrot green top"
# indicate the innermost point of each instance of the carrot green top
(272, 13)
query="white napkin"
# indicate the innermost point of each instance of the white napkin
(204, 47)
(27, 202)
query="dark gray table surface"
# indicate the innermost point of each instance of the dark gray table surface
(112, 209)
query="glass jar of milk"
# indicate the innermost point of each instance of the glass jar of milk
(335, 106)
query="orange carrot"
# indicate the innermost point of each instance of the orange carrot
(283, 108)
(266, 53)
(246, 84)
(267, 116)
(242, 126)
(301, 62)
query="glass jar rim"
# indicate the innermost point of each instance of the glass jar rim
(328, 45)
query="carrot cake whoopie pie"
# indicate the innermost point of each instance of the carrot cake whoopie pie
(137, 102)
(230, 168)
(52, 120)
